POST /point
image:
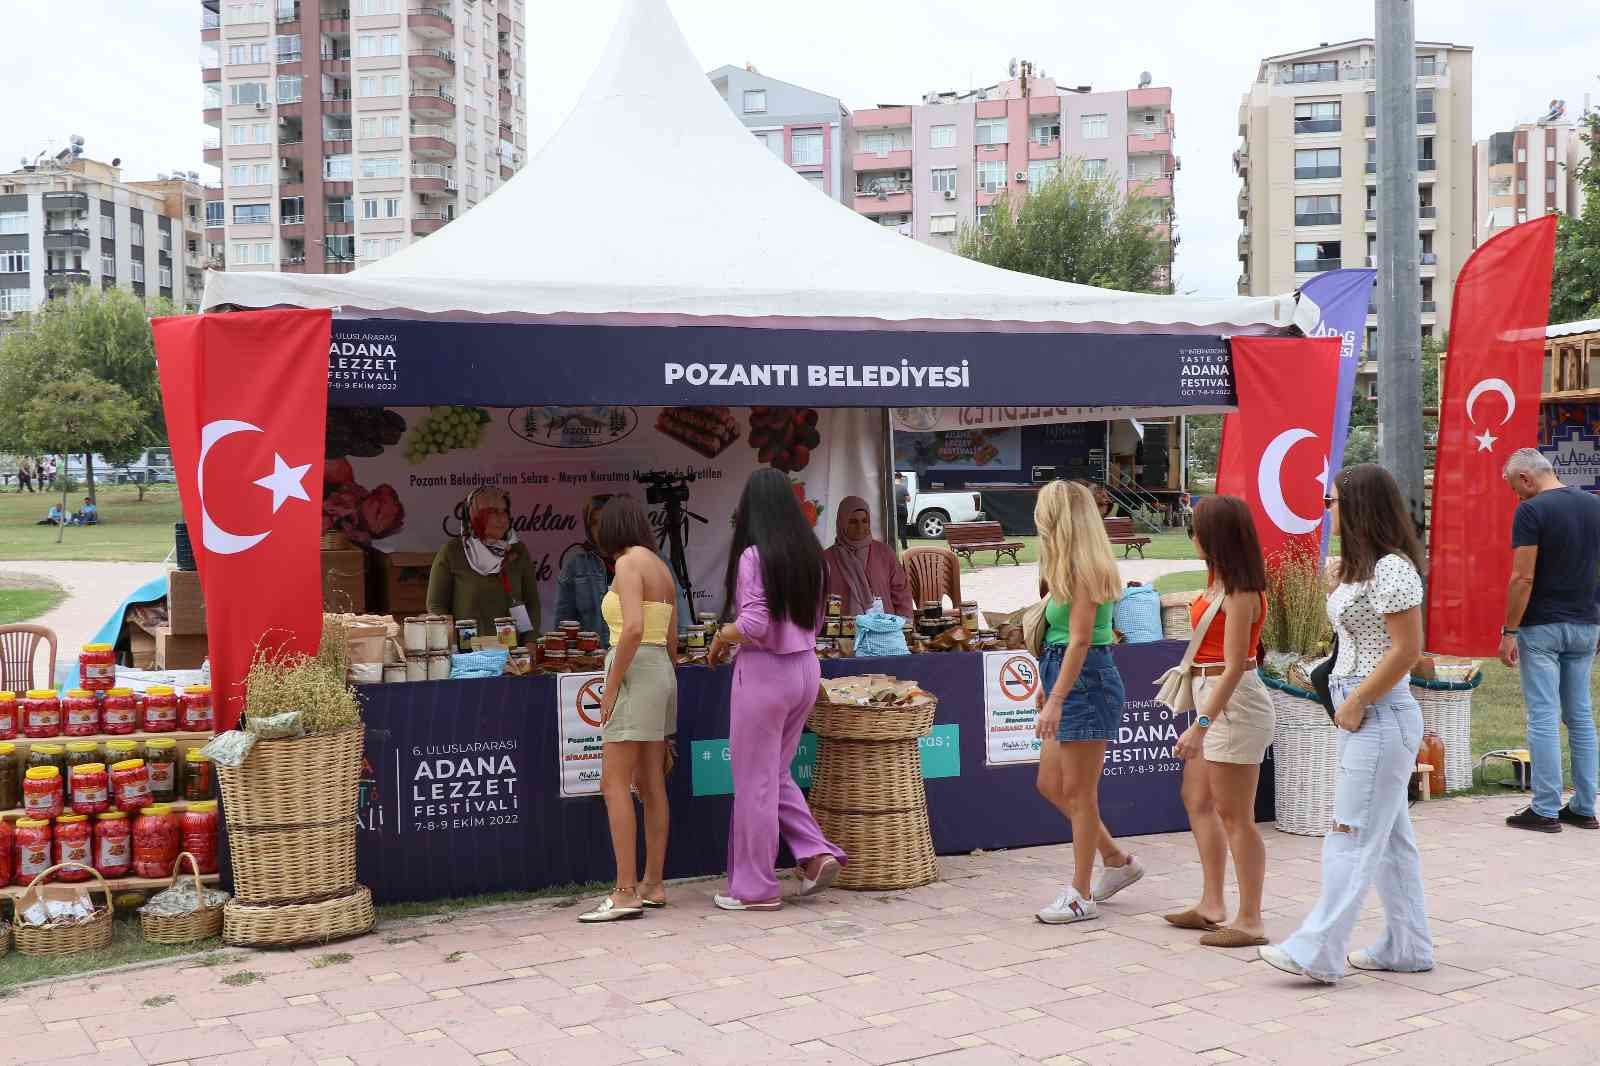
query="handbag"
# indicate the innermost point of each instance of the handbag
(1320, 676)
(1175, 688)
(1034, 628)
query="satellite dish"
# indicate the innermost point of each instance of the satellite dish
(76, 140)
(1144, 79)
(1013, 68)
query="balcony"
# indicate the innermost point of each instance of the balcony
(433, 62)
(336, 102)
(1372, 166)
(1427, 118)
(432, 22)
(502, 22)
(289, 55)
(881, 118)
(334, 20)
(288, 14)
(1429, 259)
(1050, 149)
(894, 159)
(505, 101)
(1372, 121)
(432, 177)
(1150, 142)
(213, 155)
(1159, 188)
(66, 239)
(1318, 125)
(65, 277)
(1315, 173)
(426, 222)
(433, 103)
(1372, 214)
(1244, 205)
(210, 75)
(1241, 160)
(433, 140)
(1322, 218)
(293, 265)
(1427, 164)
(292, 220)
(506, 173)
(1427, 211)
(66, 201)
(1429, 307)
(1316, 266)
(897, 202)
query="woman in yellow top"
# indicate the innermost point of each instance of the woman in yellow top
(1080, 691)
(639, 710)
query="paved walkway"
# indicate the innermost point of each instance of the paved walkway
(1006, 588)
(954, 974)
(93, 591)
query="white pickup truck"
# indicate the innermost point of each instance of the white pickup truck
(930, 511)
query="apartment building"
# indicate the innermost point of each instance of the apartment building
(927, 169)
(346, 129)
(1526, 172)
(804, 128)
(1308, 162)
(67, 221)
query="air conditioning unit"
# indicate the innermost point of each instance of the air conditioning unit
(283, 164)
(261, 105)
(949, 194)
(1020, 176)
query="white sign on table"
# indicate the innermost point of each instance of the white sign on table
(578, 709)
(1010, 687)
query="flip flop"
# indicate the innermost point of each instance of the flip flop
(648, 903)
(608, 911)
(827, 874)
(728, 903)
(1192, 919)
(1229, 937)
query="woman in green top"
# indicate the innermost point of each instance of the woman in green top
(485, 573)
(1080, 693)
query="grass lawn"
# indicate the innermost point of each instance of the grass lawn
(21, 602)
(1172, 544)
(128, 531)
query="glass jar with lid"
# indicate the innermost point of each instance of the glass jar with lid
(161, 760)
(80, 752)
(8, 716)
(119, 712)
(160, 709)
(10, 778)
(47, 755)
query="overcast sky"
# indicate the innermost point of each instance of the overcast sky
(125, 75)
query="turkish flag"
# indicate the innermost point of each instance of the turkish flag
(246, 400)
(1489, 409)
(1275, 448)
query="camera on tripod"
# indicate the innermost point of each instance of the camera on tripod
(662, 487)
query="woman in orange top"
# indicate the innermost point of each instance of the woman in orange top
(1233, 725)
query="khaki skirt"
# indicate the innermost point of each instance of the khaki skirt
(1244, 732)
(647, 705)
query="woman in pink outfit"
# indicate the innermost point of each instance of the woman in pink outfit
(861, 569)
(775, 580)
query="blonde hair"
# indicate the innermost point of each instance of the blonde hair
(1074, 551)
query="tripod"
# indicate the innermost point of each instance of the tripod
(675, 535)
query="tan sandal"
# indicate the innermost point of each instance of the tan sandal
(1229, 937)
(1192, 919)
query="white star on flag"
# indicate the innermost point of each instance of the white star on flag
(285, 482)
(1486, 441)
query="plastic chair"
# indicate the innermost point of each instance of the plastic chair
(934, 573)
(19, 644)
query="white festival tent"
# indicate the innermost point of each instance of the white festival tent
(652, 204)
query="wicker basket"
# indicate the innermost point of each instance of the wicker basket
(67, 939)
(311, 780)
(867, 792)
(1447, 712)
(283, 865)
(1175, 620)
(286, 925)
(183, 928)
(1305, 759)
(5, 941)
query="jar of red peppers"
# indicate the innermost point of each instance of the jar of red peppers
(41, 714)
(74, 843)
(41, 792)
(113, 844)
(160, 709)
(119, 712)
(197, 775)
(194, 710)
(33, 849)
(8, 716)
(161, 761)
(130, 785)
(157, 838)
(91, 788)
(199, 824)
(97, 667)
(80, 714)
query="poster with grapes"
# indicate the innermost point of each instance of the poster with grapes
(397, 478)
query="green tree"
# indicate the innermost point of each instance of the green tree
(103, 334)
(1575, 287)
(1074, 227)
(65, 412)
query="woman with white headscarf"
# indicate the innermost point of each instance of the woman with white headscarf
(485, 573)
(862, 569)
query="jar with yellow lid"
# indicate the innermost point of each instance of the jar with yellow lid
(97, 667)
(80, 752)
(130, 785)
(199, 775)
(48, 755)
(74, 842)
(160, 709)
(42, 792)
(161, 759)
(8, 715)
(199, 826)
(119, 750)
(157, 837)
(113, 844)
(33, 849)
(119, 712)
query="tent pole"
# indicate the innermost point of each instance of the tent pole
(886, 486)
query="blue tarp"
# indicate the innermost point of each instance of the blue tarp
(149, 592)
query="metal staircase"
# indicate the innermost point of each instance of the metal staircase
(1135, 500)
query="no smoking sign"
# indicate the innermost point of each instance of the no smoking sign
(588, 700)
(1019, 678)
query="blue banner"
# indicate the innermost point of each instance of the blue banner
(1342, 298)
(392, 362)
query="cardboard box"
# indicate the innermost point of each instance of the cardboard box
(174, 652)
(344, 581)
(402, 582)
(141, 647)
(186, 604)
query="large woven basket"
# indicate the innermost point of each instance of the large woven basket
(1176, 623)
(311, 780)
(1447, 712)
(183, 928)
(5, 941)
(868, 796)
(281, 865)
(286, 925)
(1305, 759)
(67, 939)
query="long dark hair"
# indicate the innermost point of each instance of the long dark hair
(1373, 522)
(1227, 536)
(769, 518)
(623, 525)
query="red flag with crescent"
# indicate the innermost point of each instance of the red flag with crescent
(246, 399)
(1489, 408)
(1275, 447)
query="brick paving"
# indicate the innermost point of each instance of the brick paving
(954, 974)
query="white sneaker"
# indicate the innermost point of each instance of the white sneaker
(1363, 961)
(1113, 879)
(1069, 907)
(1278, 959)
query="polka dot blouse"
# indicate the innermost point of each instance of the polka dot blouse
(1357, 610)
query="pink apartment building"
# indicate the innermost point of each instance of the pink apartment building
(927, 169)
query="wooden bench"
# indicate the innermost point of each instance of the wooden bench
(1121, 531)
(965, 538)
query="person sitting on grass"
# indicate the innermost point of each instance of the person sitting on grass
(88, 515)
(53, 518)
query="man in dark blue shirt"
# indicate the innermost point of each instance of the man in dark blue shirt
(1552, 625)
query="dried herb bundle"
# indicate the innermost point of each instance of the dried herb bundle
(1297, 604)
(281, 681)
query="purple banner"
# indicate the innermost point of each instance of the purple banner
(1342, 298)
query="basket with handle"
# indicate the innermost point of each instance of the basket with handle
(51, 941)
(183, 928)
(1305, 759)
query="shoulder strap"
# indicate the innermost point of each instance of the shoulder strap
(1200, 631)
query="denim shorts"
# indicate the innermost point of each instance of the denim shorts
(1093, 709)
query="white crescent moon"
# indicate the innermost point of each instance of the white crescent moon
(1269, 484)
(1492, 385)
(213, 537)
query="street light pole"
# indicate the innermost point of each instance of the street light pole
(1399, 289)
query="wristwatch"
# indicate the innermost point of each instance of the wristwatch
(1507, 631)
(1204, 722)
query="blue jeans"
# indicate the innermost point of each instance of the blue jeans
(1093, 707)
(1555, 661)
